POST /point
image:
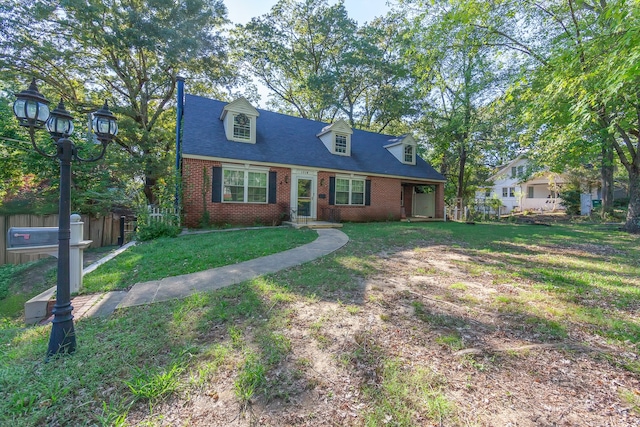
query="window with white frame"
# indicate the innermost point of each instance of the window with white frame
(242, 127)
(487, 193)
(350, 191)
(244, 186)
(409, 154)
(340, 146)
(530, 192)
(508, 191)
(517, 171)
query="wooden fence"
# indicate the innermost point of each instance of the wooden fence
(103, 231)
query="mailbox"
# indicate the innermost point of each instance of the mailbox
(19, 237)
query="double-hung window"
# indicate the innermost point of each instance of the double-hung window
(409, 154)
(350, 191)
(241, 127)
(508, 191)
(517, 171)
(245, 186)
(341, 144)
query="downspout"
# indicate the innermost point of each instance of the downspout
(179, 113)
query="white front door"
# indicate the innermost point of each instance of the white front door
(303, 196)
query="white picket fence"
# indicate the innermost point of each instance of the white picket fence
(169, 216)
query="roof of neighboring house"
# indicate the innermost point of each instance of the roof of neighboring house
(293, 141)
(505, 169)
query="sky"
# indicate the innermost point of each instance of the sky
(241, 11)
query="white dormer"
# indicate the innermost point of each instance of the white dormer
(403, 148)
(239, 119)
(337, 138)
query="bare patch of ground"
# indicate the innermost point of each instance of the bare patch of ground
(34, 279)
(432, 308)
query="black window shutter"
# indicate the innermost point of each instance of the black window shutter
(216, 189)
(367, 193)
(332, 190)
(272, 187)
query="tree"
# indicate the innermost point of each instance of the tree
(459, 83)
(580, 78)
(588, 89)
(319, 64)
(127, 52)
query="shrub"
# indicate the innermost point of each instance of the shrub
(571, 200)
(156, 229)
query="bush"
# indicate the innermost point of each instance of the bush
(571, 200)
(156, 229)
(622, 202)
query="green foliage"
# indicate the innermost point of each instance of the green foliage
(133, 62)
(571, 199)
(194, 346)
(320, 65)
(152, 385)
(165, 257)
(155, 229)
(458, 82)
(251, 378)
(11, 300)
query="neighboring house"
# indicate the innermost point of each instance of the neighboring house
(519, 189)
(245, 165)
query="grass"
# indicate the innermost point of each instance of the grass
(20, 283)
(189, 254)
(143, 355)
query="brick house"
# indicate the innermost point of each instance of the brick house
(246, 166)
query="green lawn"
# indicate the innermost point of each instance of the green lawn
(139, 357)
(167, 257)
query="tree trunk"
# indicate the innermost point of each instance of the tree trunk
(463, 163)
(606, 174)
(633, 214)
(149, 186)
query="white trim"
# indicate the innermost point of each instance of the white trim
(351, 179)
(290, 166)
(313, 177)
(246, 171)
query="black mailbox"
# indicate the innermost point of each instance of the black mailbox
(18, 237)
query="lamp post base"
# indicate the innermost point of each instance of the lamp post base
(63, 335)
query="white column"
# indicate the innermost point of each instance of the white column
(76, 255)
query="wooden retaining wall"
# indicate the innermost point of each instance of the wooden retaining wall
(103, 231)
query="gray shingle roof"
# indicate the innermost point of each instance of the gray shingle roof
(291, 141)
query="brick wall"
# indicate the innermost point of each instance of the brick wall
(194, 183)
(385, 199)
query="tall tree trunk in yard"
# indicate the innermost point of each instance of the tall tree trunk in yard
(632, 224)
(463, 162)
(606, 173)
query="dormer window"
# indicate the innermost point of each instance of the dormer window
(409, 154)
(241, 126)
(341, 144)
(337, 138)
(239, 119)
(403, 148)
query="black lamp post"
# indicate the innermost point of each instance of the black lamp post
(32, 111)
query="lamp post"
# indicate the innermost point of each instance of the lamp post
(32, 110)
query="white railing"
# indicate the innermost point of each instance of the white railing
(542, 204)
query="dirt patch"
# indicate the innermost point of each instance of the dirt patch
(429, 308)
(39, 277)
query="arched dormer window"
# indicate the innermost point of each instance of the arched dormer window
(239, 118)
(409, 154)
(403, 148)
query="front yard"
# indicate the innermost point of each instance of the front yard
(409, 324)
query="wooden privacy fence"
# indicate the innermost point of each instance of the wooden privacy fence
(103, 231)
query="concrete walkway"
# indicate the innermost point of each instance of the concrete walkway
(328, 241)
